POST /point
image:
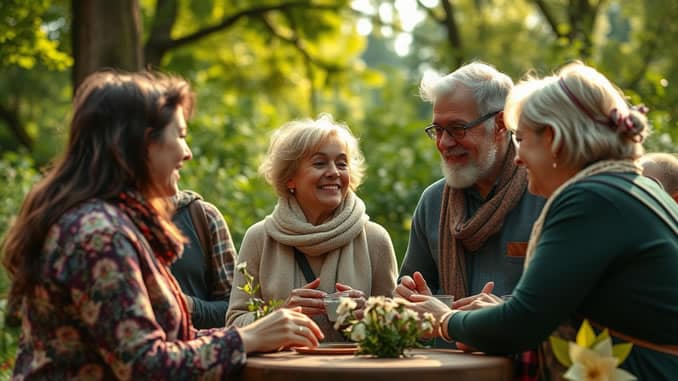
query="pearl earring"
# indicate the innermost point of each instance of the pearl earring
(555, 165)
(291, 190)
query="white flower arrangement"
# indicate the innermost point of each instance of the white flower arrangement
(387, 327)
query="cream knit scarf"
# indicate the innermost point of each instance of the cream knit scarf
(609, 166)
(341, 239)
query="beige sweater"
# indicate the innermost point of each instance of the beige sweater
(273, 266)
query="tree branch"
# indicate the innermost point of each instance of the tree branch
(308, 60)
(11, 118)
(597, 6)
(453, 36)
(651, 48)
(298, 44)
(376, 20)
(431, 13)
(550, 18)
(294, 40)
(163, 21)
(232, 19)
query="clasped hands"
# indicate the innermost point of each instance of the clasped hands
(310, 299)
(415, 290)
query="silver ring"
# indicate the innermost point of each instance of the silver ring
(300, 329)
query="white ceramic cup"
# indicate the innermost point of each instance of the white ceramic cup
(447, 299)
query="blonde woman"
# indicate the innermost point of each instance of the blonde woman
(319, 224)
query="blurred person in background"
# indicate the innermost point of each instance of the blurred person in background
(205, 269)
(662, 167)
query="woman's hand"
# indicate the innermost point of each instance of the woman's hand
(425, 303)
(484, 299)
(464, 347)
(308, 298)
(357, 296)
(282, 328)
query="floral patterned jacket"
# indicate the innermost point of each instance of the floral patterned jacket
(103, 310)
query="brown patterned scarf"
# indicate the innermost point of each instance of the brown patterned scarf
(150, 225)
(458, 235)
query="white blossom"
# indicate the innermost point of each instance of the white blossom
(241, 266)
(597, 364)
(358, 332)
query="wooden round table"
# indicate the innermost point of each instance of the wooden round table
(424, 364)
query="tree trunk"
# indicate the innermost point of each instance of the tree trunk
(106, 34)
(161, 31)
(453, 35)
(11, 117)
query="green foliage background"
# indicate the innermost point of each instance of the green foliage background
(262, 71)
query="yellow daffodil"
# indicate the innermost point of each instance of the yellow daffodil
(597, 364)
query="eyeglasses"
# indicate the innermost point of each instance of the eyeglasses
(457, 131)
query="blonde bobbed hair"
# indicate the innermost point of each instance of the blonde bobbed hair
(299, 139)
(590, 117)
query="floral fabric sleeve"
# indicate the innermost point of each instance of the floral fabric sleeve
(123, 301)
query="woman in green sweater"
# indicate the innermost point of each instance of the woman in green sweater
(605, 247)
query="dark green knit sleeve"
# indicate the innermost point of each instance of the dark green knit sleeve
(579, 241)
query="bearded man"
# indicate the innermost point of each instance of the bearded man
(470, 228)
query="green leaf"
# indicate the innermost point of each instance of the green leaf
(561, 349)
(621, 351)
(246, 289)
(585, 337)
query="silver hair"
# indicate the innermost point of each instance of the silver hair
(489, 86)
(663, 167)
(583, 108)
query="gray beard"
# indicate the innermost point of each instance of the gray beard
(460, 177)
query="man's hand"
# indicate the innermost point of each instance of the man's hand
(484, 299)
(427, 304)
(412, 285)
